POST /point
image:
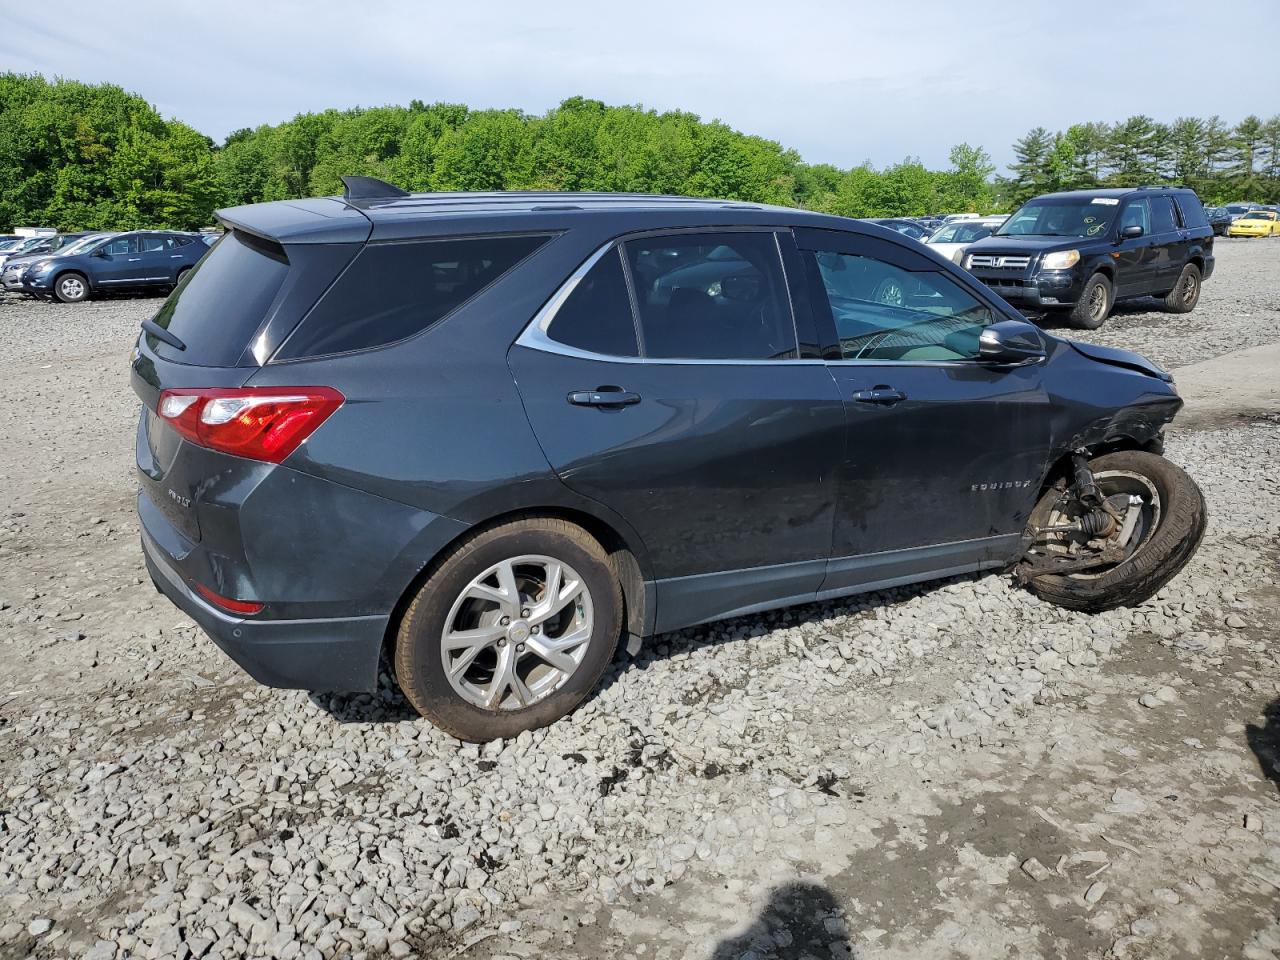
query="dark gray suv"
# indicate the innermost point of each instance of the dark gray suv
(489, 435)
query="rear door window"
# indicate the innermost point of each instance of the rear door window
(224, 299)
(1162, 215)
(712, 296)
(1193, 211)
(596, 316)
(393, 290)
(155, 244)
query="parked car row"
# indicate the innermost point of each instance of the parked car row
(71, 267)
(1260, 222)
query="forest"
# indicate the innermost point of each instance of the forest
(82, 156)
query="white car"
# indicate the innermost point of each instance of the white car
(951, 239)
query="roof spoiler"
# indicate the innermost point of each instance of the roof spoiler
(369, 188)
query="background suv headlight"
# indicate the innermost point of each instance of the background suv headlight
(1061, 260)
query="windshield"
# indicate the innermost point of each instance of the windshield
(1071, 217)
(1259, 215)
(963, 231)
(1237, 208)
(79, 246)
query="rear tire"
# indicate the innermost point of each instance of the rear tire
(71, 287)
(465, 597)
(1095, 303)
(177, 282)
(1158, 560)
(1186, 292)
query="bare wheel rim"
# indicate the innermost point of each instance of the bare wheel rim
(1190, 289)
(1110, 483)
(72, 287)
(1098, 302)
(517, 632)
(890, 293)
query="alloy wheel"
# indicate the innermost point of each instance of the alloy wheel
(1190, 290)
(1098, 302)
(517, 632)
(72, 288)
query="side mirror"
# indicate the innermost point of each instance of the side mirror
(1010, 343)
(1131, 232)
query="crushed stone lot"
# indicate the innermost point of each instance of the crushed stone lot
(951, 770)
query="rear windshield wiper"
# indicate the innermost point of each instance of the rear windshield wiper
(163, 335)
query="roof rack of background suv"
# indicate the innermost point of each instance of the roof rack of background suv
(370, 188)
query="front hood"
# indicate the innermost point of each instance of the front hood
(1122, 358)
(27, 258)
(1027, 245)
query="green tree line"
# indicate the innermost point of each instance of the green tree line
(1222, 163)
(75, 155)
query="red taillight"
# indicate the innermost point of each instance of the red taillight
(260, 423)
(246, 608)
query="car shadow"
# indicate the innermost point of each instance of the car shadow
(800, 920)
(1264, 741)
(388, 704)
(1057, 319)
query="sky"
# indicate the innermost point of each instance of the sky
(841, 83)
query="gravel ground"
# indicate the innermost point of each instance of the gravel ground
(952, 770)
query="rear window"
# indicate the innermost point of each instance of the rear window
(219, 306)
(393, 290)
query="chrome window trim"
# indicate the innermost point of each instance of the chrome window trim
(535, 336)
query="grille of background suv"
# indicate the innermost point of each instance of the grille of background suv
(999, 261)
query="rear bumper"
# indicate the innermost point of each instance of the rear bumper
(331, 654)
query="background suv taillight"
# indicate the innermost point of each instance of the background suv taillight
(258, 423)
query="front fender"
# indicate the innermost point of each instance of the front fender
(1105, 402)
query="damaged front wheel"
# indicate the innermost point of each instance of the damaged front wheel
(1117, 534)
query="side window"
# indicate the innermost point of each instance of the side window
(122, 245)
(596, 316)
(883, 312)
(1137, 214)
(1162, 215)
(1193, 211)
(712, 296)
(154, 244)
(391, 291)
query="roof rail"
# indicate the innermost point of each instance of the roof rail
(370, 188)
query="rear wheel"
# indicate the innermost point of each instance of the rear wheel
(512, 630)
(182, 274)
(1163, 520)
(71, 288)
(1186, 292)
(1094, 305)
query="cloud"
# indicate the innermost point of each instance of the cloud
(839, 82)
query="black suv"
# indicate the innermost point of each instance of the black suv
(491, 434)
(1084, 250)
(138, 260)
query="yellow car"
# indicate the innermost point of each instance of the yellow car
(1256, 223)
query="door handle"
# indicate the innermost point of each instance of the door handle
(134, 259)
(603, 397)
(883, 395)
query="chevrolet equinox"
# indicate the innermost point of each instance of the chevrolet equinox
(491, 435)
